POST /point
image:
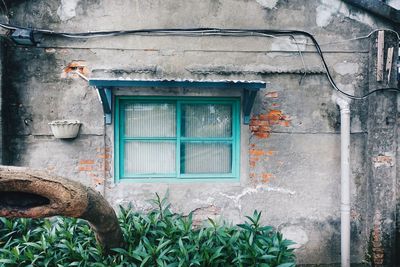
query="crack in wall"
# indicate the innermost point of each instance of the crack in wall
(254, 190)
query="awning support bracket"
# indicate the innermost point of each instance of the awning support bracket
(249, 97)
(105, 95)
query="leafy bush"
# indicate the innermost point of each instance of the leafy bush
(159, 238)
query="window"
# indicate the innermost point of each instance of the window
(177, 138)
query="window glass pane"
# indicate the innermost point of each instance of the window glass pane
(149, 157)
(206, 158)
(206, 120)
(150, 120)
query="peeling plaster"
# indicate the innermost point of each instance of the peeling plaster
(254, 190)
(268, 3)
(67, 9)
(331, 8)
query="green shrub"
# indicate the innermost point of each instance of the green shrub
(158, 238)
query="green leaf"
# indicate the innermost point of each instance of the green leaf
(289, 264)
(144, 261)
(268, 257)
(8, 261)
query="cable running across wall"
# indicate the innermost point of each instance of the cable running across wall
(211, 32)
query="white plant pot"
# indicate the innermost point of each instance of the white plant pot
(65, 128)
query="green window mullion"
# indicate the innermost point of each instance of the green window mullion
(150, 139)
(122, 143)
(196, 139)
(178, 138)
(117, 146)
(236, 135)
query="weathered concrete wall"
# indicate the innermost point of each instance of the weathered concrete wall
(289, 170)
(382, 146)
(1, 99)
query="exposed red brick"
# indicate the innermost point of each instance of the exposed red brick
(86, 161)
(257, 152)
(85, 168)
(254, 128)
(266, 177)
(284, 123)
(270, 152)
(262, 135)
(255, 123)
(264, 129)
(274, 115)
(378, 252)
(104, 156)
(73, 67)
(260, 125)
(263, 117)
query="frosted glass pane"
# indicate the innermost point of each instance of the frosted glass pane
(150, 120)
(149, 157)
(208, 120)
(206, 158)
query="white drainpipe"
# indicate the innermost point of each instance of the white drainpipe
(344, 105)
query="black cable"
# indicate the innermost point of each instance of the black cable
(207, 31)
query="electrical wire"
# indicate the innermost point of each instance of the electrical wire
(358, 37)
(213, 32)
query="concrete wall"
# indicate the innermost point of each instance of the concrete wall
(1, 99)
(290, 172)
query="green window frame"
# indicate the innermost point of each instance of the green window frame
(121, 139)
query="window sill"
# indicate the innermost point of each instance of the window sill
(179, 181)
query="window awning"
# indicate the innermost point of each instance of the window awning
(250, 88)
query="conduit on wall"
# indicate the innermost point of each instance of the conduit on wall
(344, 105)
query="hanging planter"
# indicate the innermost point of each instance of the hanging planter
(65, 128)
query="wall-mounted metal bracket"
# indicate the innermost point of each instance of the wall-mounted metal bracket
(249, 96)
(105, 95)
(250, 89)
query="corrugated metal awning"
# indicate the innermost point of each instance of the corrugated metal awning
(250, 89)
